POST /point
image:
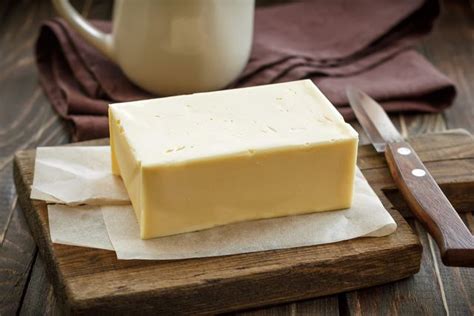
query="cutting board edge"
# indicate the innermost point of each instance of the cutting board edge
(26, 204)
(166, 304)
(69, 303)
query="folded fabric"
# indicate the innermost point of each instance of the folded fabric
(335, 43)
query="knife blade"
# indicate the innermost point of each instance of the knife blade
(421, 192)
(368, 112)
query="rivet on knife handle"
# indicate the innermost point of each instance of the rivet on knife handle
(430, 205)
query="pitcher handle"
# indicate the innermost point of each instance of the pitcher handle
(98, 39)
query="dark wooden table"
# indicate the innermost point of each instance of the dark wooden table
(27, 121)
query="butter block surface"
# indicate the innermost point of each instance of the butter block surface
(196, 161)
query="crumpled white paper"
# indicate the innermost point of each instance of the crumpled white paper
(78, 226)
(115, 226)
(76, 175)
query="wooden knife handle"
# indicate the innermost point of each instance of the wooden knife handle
(430, 205)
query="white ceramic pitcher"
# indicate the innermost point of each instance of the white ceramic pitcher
(174, 46)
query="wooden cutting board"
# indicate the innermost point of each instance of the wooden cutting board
(89, 280)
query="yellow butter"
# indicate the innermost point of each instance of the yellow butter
(196, 161)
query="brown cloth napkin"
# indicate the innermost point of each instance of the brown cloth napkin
(335, 43)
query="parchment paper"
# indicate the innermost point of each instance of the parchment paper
(78, 226)
(76, 175)
(115, 226)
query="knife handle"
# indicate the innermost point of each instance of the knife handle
(430, 205)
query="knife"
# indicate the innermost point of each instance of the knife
(421, 192)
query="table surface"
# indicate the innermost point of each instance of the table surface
(27, 121)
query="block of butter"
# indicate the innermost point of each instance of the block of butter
(196, 161)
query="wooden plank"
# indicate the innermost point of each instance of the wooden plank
(422, 294)
(95, 278)
(450, 48)
(419, 124)
(457, 284)
(328, 305)
(284, 309)
(460, 148)
(17, 253)
(39, 297)
(433, 302)
(418, 295)
(26, 120)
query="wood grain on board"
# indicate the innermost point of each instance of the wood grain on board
(301, 266)
(96, 281)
